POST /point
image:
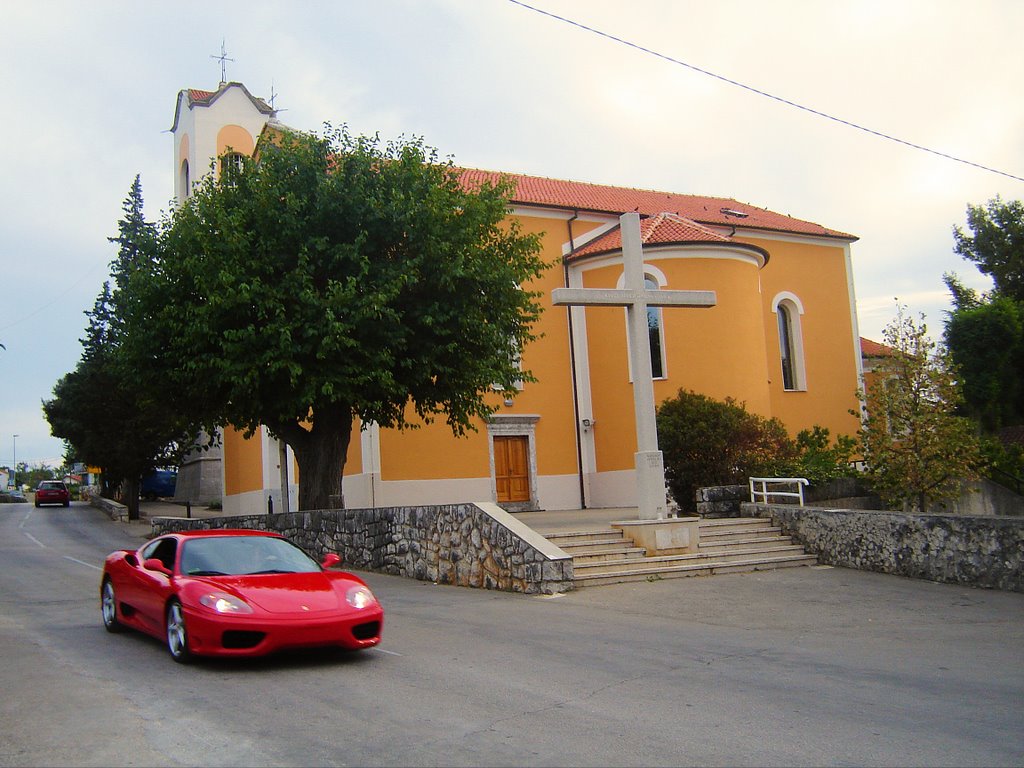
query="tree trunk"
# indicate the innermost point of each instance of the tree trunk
(320, 453)
(131, 498)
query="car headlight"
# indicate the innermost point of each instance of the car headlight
(360, 596)
(222, 602)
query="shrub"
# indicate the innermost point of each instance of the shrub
(818, 460)
(710, 442)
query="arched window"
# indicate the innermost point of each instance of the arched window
(788, 310)
(656, 330)
(654, 279)
(232, 160)
(185, 181)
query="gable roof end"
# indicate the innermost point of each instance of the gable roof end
(194, 97)
(665, 229)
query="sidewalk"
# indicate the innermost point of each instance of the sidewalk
(543, 522)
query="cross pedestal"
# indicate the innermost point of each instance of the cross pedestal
(636, 298)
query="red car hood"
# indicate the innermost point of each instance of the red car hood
(285, 592)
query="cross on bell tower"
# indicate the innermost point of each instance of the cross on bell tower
(223, 58)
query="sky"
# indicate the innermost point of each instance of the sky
(91, 90)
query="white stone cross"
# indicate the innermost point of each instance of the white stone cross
(636, 298)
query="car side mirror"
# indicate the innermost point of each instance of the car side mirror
(330, 560)
(153, 564)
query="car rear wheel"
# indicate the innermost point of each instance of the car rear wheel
(108, 606)
(177, 635)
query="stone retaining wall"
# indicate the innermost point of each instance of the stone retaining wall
(470, 545)
(979, 551)
(844, 492)
(721, 500)
(114, 509)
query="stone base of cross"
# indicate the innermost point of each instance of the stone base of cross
(636, 298)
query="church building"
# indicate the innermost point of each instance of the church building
(782, 338)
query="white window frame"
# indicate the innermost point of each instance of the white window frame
(655, 275)
(792, 308)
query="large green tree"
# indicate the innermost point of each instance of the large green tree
(985, 332)
(996, 244)
(985, 338)
(114, 412)
(336, 278)
(916, 449)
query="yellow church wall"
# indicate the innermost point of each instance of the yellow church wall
(816, 275)
(718, 352)
(354, 455)
(548, 357)
(243, 462)
(432, 452)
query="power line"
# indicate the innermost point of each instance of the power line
(767, 95)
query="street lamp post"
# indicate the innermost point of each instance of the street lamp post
(14, 469)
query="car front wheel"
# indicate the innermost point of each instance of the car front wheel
(177, 635)
(108, 606)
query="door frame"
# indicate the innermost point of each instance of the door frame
(518, 425)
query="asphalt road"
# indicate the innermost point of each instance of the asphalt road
(809, 666)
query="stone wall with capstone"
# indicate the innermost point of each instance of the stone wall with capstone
(469, 545)
(980, 551)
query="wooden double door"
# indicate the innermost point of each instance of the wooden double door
(512, 467)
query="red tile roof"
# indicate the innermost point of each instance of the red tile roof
(869, 348)
(663, 229)
(581, 196)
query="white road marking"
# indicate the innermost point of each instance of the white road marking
(384, 650)
(82, 562)
(37, 541)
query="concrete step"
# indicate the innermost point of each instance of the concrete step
(741, 541)
(735, 534)
(727, 545)
(573, 538)
(730, 522)
(605, 555)
(740, 526)
(670, 561)
(699, 569)
(595, 545)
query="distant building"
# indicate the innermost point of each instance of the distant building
(782, 338)
(872, 355)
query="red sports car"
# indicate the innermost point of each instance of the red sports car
(236, 593)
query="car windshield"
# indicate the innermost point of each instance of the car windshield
(50, 486)
(243, 555)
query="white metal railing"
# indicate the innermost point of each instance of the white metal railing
(764, 493)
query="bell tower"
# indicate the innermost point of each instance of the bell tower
(209, 123)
